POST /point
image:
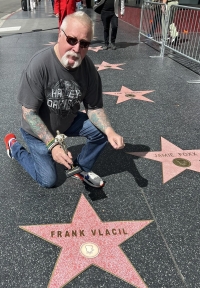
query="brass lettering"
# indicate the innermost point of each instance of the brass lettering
(93, 232)
(52, 233)
(67, 234)
(114, 231)
(100, 234)
(74, 233)
(82, 233)
(107, 232)
(124, 231)
(59, 233)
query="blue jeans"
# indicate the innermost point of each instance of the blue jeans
(39, 163)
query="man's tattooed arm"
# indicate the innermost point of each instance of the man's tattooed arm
(36, 124)
(99, 119)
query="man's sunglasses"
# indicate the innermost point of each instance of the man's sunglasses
(73, 41)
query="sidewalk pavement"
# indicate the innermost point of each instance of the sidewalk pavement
(142, 229)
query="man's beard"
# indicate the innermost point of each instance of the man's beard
(65, 61)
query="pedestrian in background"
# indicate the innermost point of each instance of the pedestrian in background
(52, 2)
(170, 11)
(109, 16)
(63, 8)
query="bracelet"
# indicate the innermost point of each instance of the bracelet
(49, 144)
(53, 145)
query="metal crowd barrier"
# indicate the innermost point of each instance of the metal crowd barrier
(176, 28)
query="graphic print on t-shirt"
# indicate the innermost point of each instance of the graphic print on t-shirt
(64, 97)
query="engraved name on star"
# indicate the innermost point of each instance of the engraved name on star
(174, 160)
(105, 65)
(89, 241)
(126, 94)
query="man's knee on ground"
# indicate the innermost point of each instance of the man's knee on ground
(49, 181)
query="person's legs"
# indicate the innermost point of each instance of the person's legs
(172, 27)
(38, 162)
(106, 18)
(114, 26)
(62, 14)
(96, 141)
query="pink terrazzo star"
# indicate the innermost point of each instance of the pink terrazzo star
(174, 160)
(95, 49)
(105, 65)
(126, 94)
(89, 241)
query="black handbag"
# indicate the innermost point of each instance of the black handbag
(98, 6)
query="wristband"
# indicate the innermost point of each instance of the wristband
(52, 144)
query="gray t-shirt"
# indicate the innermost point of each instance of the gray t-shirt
(55, 92)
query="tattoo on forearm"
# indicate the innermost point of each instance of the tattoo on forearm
(36, 124)
(99, 119)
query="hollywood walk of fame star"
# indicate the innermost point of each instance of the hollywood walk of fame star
(89, 241)
(95, 49)
(50, 43)
(126, 94)
(174, 160)
(105, 65)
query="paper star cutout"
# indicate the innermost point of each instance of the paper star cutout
(105, 65)
(89, 241)
(95, 49)
(50, 43)
(174, 160)
(126, 94)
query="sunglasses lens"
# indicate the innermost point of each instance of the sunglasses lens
(84, 44)
(72, 41)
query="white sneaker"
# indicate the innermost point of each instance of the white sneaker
(90, 178)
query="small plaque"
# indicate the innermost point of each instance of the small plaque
(130, 95)
(181, 162)
(89, 250)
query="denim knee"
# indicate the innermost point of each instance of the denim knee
(47, 180)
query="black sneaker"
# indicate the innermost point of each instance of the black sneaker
(113, 47)
(105, 47)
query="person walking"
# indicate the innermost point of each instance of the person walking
(109, 16)
(171, 29)
(53, 85)
(63, 8)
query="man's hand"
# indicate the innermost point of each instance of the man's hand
(115, 139)
(61, 157)
(100, 120)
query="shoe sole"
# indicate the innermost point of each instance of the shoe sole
(81, 178)
(6, 141)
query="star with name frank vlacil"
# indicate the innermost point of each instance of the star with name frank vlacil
(126, 94)
(174, 159)
(105, 65)
(88, 241)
